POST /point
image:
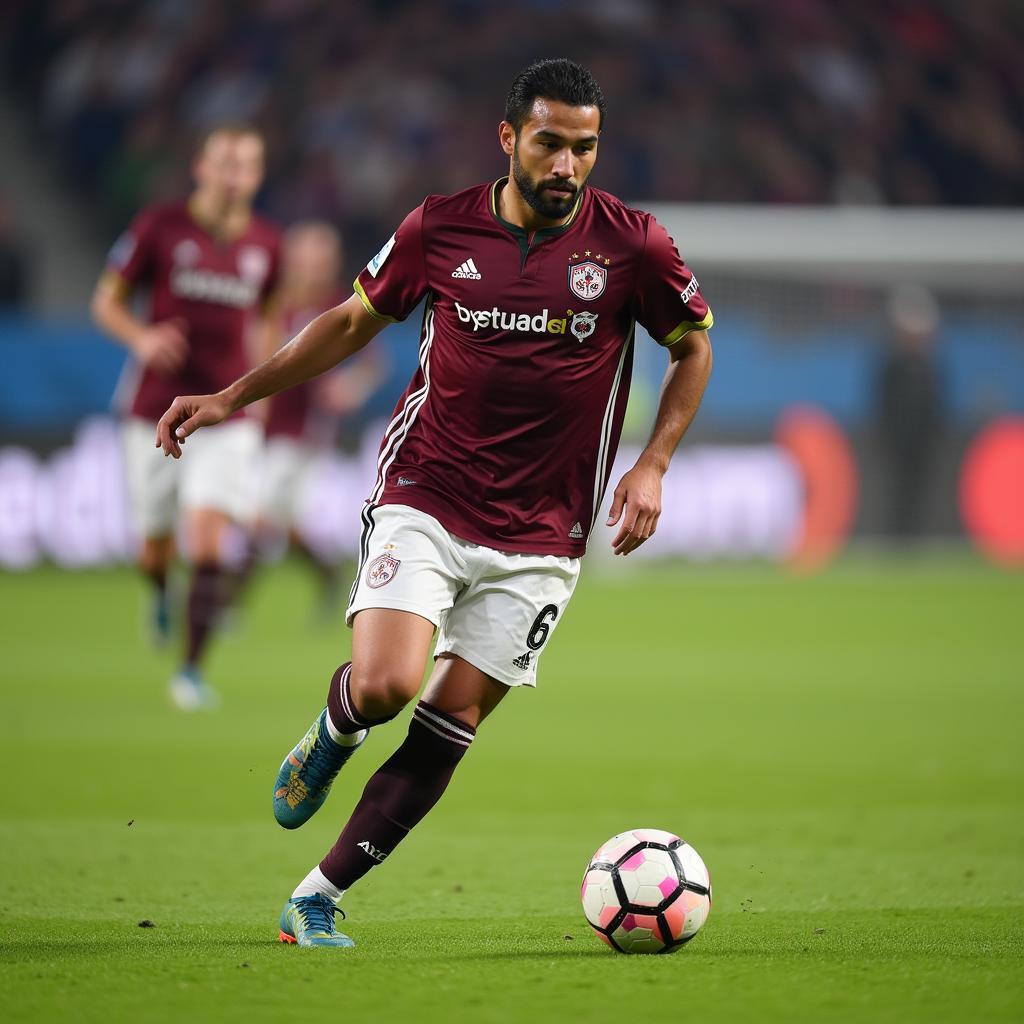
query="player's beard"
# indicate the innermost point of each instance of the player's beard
(544, 205)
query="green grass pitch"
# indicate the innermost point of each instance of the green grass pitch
(844, 751)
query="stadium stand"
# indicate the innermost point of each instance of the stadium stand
(800, 101)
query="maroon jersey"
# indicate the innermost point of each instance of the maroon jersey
(293, 411)
(212, 285)
(508, 430)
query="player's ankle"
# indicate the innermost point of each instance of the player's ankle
(317, 882)
(344, 739)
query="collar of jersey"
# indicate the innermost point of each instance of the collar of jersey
(209, 231)
(540, 232)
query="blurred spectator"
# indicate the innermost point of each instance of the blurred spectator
(369, 106)
(14, 263)
(910, 413)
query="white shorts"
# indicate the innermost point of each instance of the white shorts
(285, 470)
(216, 470)
(495, 609)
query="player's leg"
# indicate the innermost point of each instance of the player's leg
(277, 476)
(207, 592)
(406, 583)
(216, 492)
(389, 654)
(156, 556)
(510, 605)
(152, 485)
(397, 797)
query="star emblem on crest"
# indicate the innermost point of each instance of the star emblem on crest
(599, 258)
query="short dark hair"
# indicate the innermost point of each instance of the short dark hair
(232, 129)
(552, 79)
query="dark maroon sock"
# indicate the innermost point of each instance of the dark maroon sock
(158, 577)
(205, 599)
(399, 795)
(345, 716)
(241, 576)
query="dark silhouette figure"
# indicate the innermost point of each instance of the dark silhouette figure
(910, 415)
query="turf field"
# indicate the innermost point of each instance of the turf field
(844, 751)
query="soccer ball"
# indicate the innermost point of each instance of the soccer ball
(646, 891)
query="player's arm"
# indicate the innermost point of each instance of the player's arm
(331, 338)
(162, 347)
(639, 491)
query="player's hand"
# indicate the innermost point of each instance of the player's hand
(185, 416)
(637, 502)
(162, 347)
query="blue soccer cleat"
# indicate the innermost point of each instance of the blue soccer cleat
(307, 773)
(309, 921)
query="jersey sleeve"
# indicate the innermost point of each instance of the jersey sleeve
(393, 282)
(132, 257)
(668, 299)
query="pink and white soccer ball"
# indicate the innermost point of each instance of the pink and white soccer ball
(646, 891)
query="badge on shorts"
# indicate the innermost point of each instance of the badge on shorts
(381, 570)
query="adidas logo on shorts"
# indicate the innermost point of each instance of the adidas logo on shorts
(523, 661)
(468, 271)
(576, 533)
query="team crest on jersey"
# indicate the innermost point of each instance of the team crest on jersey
(382, 570)
(583, 325)
(587, 280)
(253, 263)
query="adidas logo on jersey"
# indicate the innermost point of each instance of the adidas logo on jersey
(523, 661)
(468, 271)
(576, 533)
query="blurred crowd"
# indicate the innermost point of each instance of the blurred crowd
(369, 106)
(14, 262)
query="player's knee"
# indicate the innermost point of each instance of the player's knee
(382, 690)
(154, 557)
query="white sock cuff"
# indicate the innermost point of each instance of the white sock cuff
(317, 882)
(343, 739)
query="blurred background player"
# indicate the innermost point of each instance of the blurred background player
(210, 265)
(910, 409)
(301, 422)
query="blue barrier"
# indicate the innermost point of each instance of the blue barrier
(56, 372)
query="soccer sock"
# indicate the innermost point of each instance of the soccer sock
(399, 795)
(241, 575)
(158, 577)
(317, 882)
(343, 719)
(205, 597)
